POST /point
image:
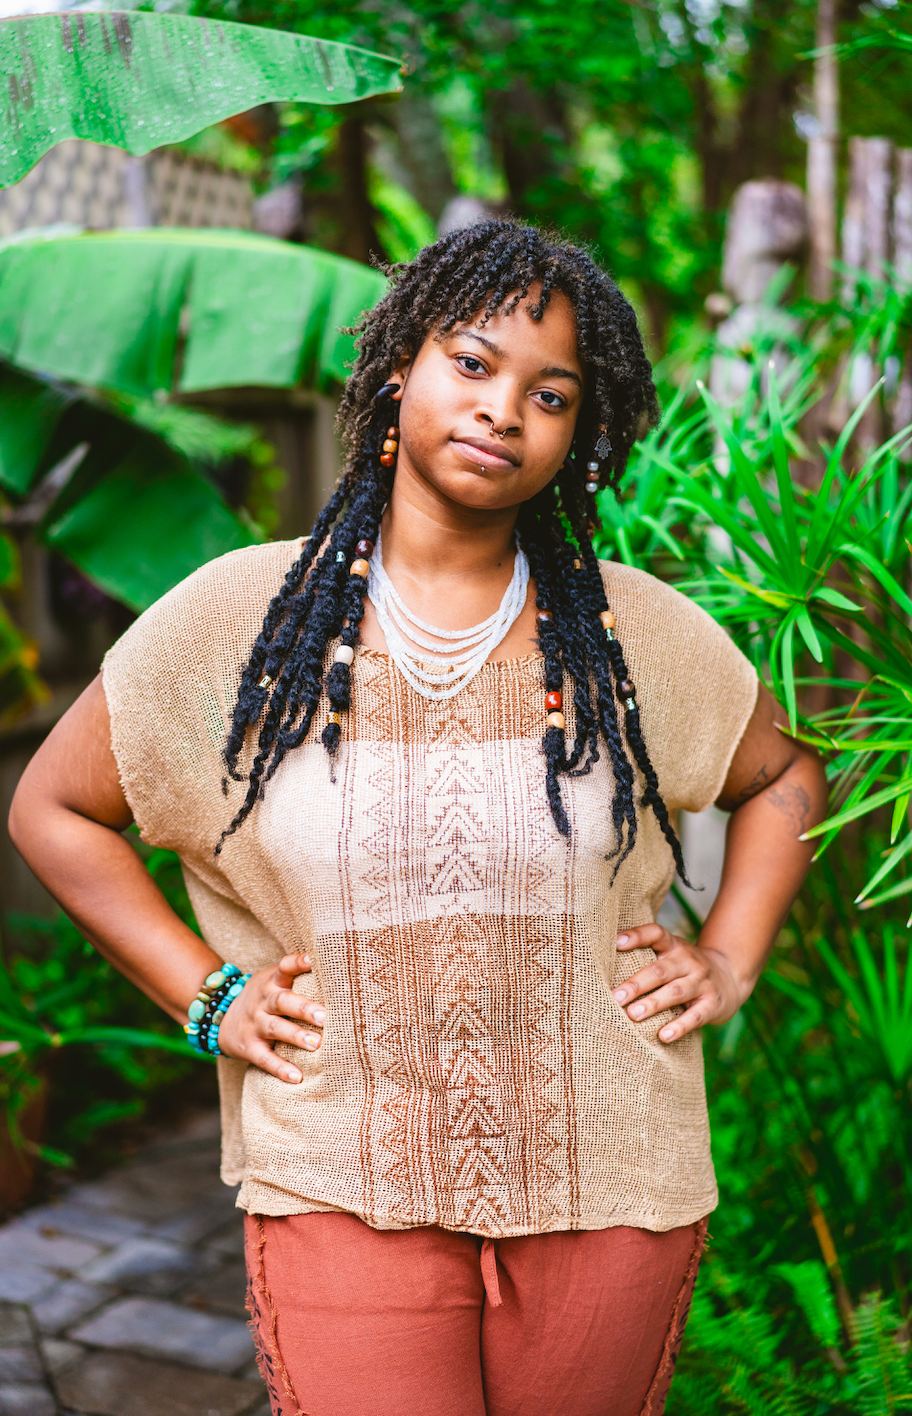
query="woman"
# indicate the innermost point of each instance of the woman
(462, 1086)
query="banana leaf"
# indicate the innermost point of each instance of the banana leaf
(136, 80)
(136, 515)
(142, 311)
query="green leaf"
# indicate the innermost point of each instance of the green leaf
(106, 309)
(809, 634)
(145, 526)
(859, 809)
(29, 410)
(137, 81)
(833, 597)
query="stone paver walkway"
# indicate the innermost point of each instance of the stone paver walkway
(126, 1297)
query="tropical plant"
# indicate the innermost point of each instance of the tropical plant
(57, 999)
(138, 80)
(120, 480)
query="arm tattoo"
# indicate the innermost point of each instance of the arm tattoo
(794, 804)
(756, 784)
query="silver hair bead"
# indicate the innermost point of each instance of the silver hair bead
(592, 487)
(592, 466)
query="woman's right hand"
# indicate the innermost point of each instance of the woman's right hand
(267, 1012)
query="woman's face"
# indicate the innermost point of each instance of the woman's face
(513, 376)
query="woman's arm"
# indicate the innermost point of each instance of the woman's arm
(66, 822)
(775, 790)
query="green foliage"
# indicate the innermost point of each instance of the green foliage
(148, 312)
(105, 1048)
(137, 80)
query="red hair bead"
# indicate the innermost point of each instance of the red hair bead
(554, 701)
(364, 548)
(387, 458)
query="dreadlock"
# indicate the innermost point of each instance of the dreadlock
(484, 269)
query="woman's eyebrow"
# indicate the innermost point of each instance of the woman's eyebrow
(561, 374)
(552, 373)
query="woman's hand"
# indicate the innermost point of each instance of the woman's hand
(682, 974)
(263, 1014)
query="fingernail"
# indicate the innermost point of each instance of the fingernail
(313, 1040)
(623, 939)
(319, 1016)
(667, 1034)
(620, 994)
(307, 958)
(636, 1010)
(293, 1077)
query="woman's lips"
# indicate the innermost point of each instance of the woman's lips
(480, 456)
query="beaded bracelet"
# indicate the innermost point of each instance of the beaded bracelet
(209, 1007)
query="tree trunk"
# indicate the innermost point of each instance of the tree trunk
(358, 237)
(853, 219)
(821, 159)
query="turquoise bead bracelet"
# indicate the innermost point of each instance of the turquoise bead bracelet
(210, 1005)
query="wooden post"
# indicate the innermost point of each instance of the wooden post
(902, 264)
(902, 218)
(878, 189)
(821, 159)
(853, 218)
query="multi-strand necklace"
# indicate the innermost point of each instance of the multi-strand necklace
(433, 669)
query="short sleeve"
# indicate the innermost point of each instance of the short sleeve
(696, 690)
(171, 682)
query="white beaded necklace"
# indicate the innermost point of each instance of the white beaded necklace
(437, 672)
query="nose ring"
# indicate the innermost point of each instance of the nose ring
(498, 433)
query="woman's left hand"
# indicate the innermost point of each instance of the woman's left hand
(682, 974)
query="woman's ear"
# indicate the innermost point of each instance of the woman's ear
(400, 376)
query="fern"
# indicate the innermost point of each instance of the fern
(880, 1366)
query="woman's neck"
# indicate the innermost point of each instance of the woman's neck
(451, 565)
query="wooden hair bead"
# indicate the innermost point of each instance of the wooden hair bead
(544, 616)
(556, 720)
(554, 701)
(365, 548)
(335, 718)
(390, 445)
(360, 567)
(344, 654)
(577, 565)
(392, 433)
(608, 620)
(387, 458)
(626, 689)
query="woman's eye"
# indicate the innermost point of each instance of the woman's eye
(553, 400)
(471, 364)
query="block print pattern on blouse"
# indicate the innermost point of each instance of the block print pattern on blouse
(469, 1119)
(461, 1115)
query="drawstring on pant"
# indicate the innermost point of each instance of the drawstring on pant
(489, 1272)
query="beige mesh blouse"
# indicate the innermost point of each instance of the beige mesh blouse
(475, 1071)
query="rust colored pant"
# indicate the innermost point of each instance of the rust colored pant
(354, 1321)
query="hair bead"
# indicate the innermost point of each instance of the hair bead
(335, 718)
(554, 701)
(393, 432)
(544, 616)
(365, 548)
(264, 682)
(344, 654)
(390, 445)
(607, 619)
(627, 689)
(387, 458)
(359, 567)
(556, 720)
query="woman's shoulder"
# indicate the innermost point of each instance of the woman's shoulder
(203, 628)
(651, 602)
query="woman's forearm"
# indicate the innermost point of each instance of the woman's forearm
(765, 865)
(94, 873)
